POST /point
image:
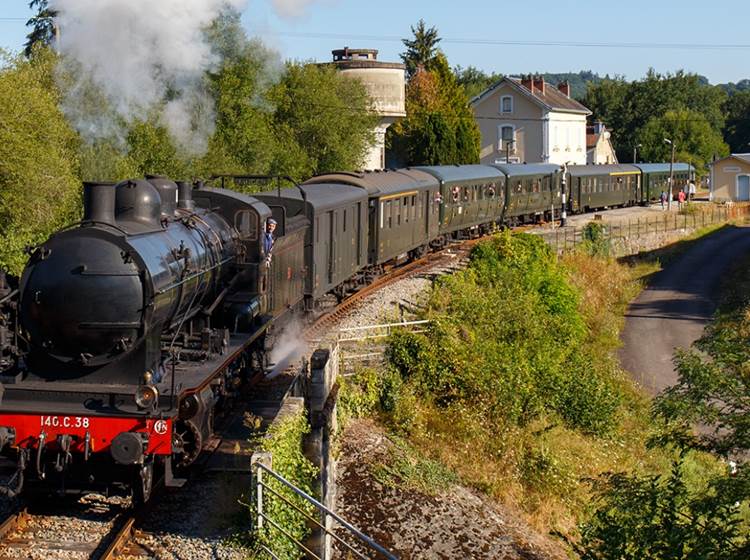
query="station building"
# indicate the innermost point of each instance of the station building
(730, 179)
(528, 120)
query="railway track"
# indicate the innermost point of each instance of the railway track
(30, 534)
(452, 254)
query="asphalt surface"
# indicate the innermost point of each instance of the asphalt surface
(673, 311)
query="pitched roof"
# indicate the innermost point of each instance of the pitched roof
(552, 98)
(741, 157)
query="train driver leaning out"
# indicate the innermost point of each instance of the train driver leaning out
(268, 240)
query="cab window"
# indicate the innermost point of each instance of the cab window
(246, 224)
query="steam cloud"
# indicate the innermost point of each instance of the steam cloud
(291, 8)
(139, 53)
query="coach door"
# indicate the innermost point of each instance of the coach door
(332, 215)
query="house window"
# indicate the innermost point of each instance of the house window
(506, 104)
(506, 134)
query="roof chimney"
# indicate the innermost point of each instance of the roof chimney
(539, 83)
(527, 82)
(564, 87)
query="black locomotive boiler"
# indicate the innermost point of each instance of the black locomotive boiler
(130, 330)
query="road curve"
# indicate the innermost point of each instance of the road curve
(675, 308)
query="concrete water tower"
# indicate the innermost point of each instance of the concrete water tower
(385, 83)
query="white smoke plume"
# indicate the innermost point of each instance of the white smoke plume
(140, 53)
(291, 8)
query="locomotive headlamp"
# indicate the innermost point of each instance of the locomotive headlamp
(148, 377)
(145, 396)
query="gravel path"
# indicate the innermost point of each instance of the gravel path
(673, 311)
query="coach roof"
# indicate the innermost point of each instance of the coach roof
(524, 169)
(592, 170)
(379, 183)
(462, 173)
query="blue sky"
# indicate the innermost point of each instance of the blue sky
(378, 24)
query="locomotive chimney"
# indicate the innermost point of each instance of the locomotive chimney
(185, 196)
(99, 202)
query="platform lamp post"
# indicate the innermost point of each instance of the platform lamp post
(671, 174)
(635, 152)
(564, 193)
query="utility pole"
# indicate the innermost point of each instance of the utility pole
(671, 174)
(563, 188)
(635, 152)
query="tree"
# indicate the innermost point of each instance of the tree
(39, 187)
(422, 49)
(737, 130)
(439, 127)
(474, 81)
(42, 26)
(322, 117)
(626, 107)
(696, 142)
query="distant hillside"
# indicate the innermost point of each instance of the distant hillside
(731, 88)
(579, 81)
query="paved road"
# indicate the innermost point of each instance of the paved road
(673, 311)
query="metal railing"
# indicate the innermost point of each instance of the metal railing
(363, 346)
(265, 493)
(568, 238)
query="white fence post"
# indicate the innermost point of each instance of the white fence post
(266, 460)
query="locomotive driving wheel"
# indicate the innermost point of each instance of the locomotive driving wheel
(190, 440)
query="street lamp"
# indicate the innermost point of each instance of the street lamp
(635, 152)
(671, 174)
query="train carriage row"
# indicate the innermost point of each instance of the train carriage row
(362, 221)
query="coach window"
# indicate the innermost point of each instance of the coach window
(344, 223)
(246, 224)
(390, 214)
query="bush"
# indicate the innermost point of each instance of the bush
(507, 337)
(284, 442)
(595, 240)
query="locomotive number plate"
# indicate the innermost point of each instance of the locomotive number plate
(64, 421)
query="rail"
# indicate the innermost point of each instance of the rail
(265, 493)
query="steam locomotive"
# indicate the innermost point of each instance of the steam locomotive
(131, 331)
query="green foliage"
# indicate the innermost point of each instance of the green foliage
(627, 107)
(42, 26)
(325, 120)
(39, 190)
(596, 243)
(284, 442)
(506, 336)
(406, 467)
(696, 141)
(422, 49)
(737, 131)
(474, 81)
(659, 517)
(439, 128)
